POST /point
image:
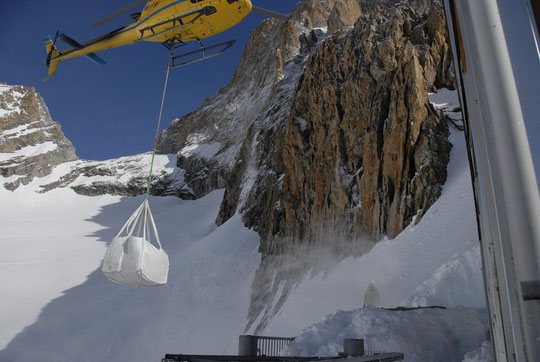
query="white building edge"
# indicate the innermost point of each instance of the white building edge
(496, 47)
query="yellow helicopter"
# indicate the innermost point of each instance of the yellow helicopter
(170, 22)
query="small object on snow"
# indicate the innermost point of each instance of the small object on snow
(371, 298)
(131, 258)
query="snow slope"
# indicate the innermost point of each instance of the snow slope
(206, 298)
(58, 305)
(47, 248)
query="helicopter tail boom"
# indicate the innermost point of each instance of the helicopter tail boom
(54, 56)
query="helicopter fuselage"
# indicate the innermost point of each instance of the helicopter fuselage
(168, 21)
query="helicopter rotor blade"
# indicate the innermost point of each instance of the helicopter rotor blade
(118, 12)
(269, 13)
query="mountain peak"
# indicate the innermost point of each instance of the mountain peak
(31, 143)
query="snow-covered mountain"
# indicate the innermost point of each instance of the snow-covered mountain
(33, 146)
(57, 303)
(326, 164)
(31, 143)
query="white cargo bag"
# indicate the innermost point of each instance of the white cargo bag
(131, 258)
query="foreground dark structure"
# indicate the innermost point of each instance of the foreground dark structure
(268, 349)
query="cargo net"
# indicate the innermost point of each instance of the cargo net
(135, 256)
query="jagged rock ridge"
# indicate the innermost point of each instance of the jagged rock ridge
(125, 176)
(33, 148)
(31, 143)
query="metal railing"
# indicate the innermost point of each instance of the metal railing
(262, 346)
(271, 346)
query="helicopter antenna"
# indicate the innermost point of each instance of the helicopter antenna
(269, 13)
(118, 12)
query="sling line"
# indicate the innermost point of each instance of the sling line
(158, 125)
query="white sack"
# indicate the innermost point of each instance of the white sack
(131, 258)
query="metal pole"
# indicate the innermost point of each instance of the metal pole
(247, 346)
(504, 176)
(353, 347)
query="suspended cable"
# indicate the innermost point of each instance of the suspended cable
(159, 125)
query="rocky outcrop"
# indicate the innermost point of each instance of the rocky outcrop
(31, 143)
(361, 152)
(210, 139)
(364, 152)
(344, 14)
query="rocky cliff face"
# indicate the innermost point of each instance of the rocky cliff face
(31, 143)
(325, 137)
(362, 151)
(210, 140)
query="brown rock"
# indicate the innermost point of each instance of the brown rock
(344, 14)
(361, 154)
(254, 90)
(28, 125)
(360, 140)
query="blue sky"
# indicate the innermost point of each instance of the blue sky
(110, 111)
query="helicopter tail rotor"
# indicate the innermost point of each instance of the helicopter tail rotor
(50, 47)
(52, 52)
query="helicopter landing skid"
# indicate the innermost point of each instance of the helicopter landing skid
(203, 51)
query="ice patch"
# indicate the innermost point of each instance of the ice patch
(324, 29)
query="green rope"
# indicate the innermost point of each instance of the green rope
(150, 176)
(158, 127)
